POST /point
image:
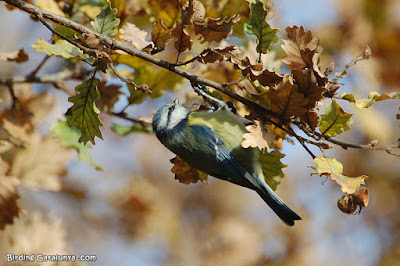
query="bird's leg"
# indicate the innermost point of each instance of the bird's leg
(199, 88)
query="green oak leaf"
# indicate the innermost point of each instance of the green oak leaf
(69, 137)
(106, 21)
(60, 48)
(335, 120)
(272, 167)
(373, 97)
(259, 27)
(84, 113)
(334, 169)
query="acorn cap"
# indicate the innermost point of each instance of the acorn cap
(361, 197)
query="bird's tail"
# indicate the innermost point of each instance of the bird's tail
(278, 206)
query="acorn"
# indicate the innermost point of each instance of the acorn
(346, 204)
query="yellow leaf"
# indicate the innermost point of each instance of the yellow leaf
(89, 10)
(51, 6)
(160, 34)
(334, 169)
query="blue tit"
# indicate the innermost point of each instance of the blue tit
(211, 143)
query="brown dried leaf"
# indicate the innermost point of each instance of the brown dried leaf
(109, 96)
(257, 137)
(31, 228)
(183, 41)
(92, 41)
(41, 163)
(39, 106)
(311, 119)
(133, 35)
(212, 54)
(160, 34)
(8, 196)
(215, 29)
(299, 40)
(286, 100)
(307, 84)
(185, 173)
(15, 56)
(21, 132)
(265, 77)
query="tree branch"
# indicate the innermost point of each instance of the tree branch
(115, 44)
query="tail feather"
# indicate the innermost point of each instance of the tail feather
(287, 215)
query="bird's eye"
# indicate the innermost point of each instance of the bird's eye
(171, 108)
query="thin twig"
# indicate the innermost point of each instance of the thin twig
(145, 89)
(14, 99)
(36, 70)
(83, 48)
(123, 115)
(199, 88)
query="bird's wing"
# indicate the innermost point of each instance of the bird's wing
(234, 170)
(226, 159)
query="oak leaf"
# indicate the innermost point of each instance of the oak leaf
(183, 41)
(84, 113)
(215, 29)
(18, 56)
(69, 137)
(31, 228)
(109, 96)
(218, 54)
(135, 36)
(272, 167)
(308, 86)
(311, 119)
(257, 137)
(185, 173)
(334, 169)
(335, 120)
(9, 195)
(40, 164)
(106, 21)
(259, 27)
(299, 40)
(60, 48)
(265, 77)
(373, 97)
(160, 34)
(51, 6)
(286, 100)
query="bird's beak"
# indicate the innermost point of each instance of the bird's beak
(176, 102)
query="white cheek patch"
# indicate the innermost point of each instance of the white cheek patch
(177, 115)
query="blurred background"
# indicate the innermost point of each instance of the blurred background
(135, 213)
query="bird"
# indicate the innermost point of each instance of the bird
(211, 142)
